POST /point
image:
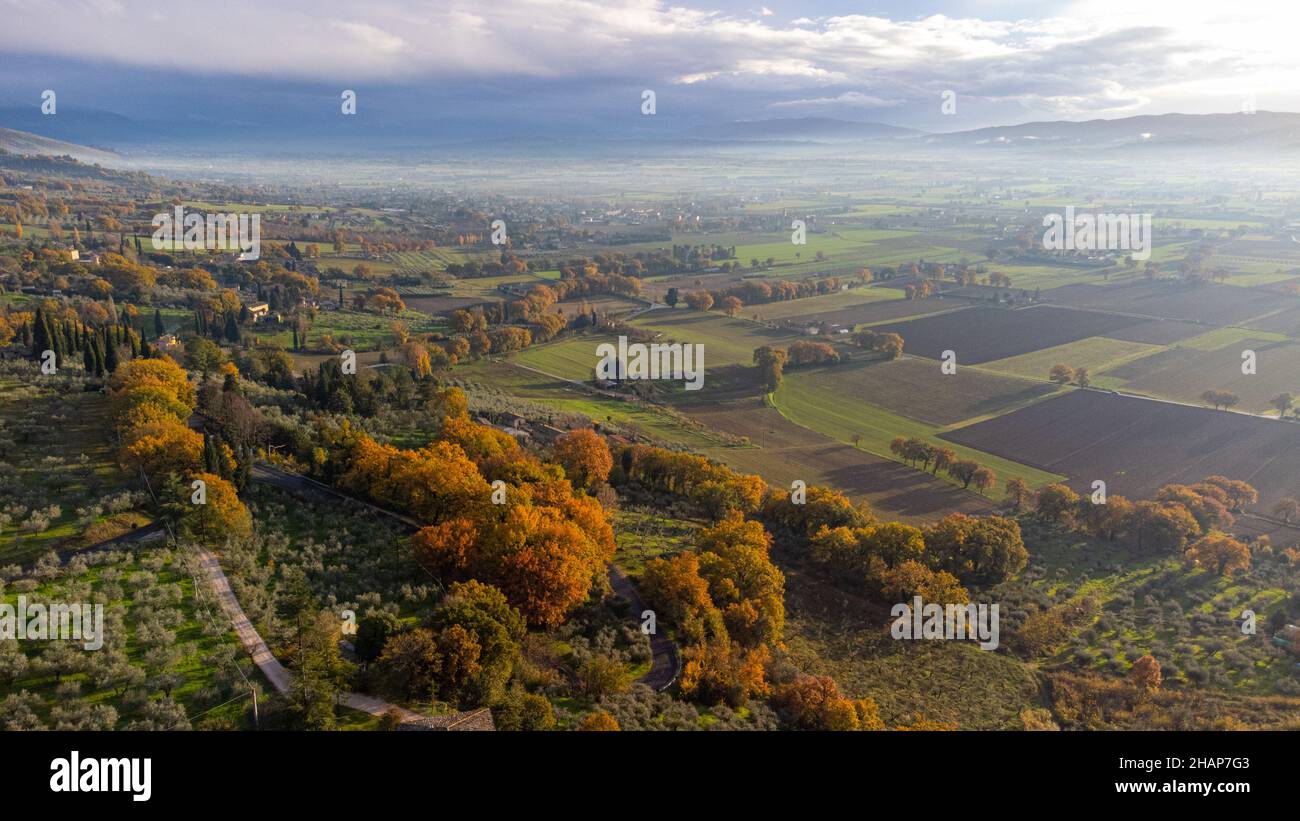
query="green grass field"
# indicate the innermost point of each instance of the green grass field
(726, 341)
(654, 421)
(1096, 353)
(1223, 337)
(573, 358)
(805, 402)
(818, 304)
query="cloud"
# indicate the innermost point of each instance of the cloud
(839, 102)
(1097, 56)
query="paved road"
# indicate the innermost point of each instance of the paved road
(297, 483)
(248, 635)
(154, 531)
(664, 665)
(262, 655)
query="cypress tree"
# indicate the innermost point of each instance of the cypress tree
(58, 344)
(110, 354)
(158, 328)
(245, 468)
(209, 456)
(42, 338)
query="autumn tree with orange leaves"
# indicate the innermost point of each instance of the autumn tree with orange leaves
(1146, 675)
(546, 547)
(221, 516)
(585, 457)
(1220, 553)
(815, 703)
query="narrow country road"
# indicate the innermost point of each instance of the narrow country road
(664, 664)
(298, 484)
(261, 654)
(248, 635)
(663, 651)
(148, 533)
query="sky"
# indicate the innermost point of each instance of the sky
(557, 67)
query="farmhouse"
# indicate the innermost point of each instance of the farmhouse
(548, 433)
(168, 342)
(512, 424)
(259, 311)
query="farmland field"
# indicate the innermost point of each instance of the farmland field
(1285, 321)
(600, 304)
(1157, 331)
(915, 388)
(1185, 373)
(726, 341)
(573, 358)
(986, 334)
(443, 305)
(563, 397)
(804, 401)
(1032, 276)
(206, 667)
(785, 451)
(794, 308)
(834, 246)
(1136, 445)
(830, 633)
(875, 313)
(1096, 353)
(1208, 304)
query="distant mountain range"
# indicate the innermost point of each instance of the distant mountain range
(1263, 131)
(25, 143)
(803, 128)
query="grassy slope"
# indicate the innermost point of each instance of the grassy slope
(47, 462)
(841, 418)
(1095, 353)
(792, 308)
